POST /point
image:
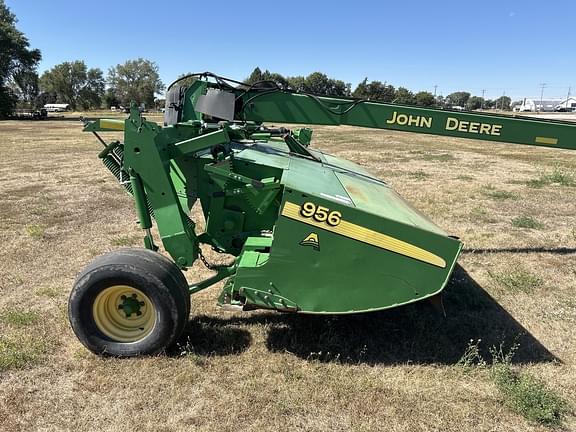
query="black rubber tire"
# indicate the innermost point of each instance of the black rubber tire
(153, 274)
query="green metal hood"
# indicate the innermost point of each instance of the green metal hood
(378, 252)
(349, 184)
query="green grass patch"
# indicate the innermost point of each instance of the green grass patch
(521, 392)
(17, 354)
(529, 396)
(35, 231)
(526, 222)
(537, 183)
(498, 194)
(472, 356)
(479, 214)
(442, 157)
(125, 241)
(46, 292)
(517, 280)
(419, 175)
(465, 178)
(559, 176)
(19, 318)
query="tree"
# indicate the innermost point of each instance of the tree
(340, 88)
(374, 90)
(186, 80)
(296, 83)
(277, 78)
(440, 101)
(503, 103)
(474, 103)
(317, 83)
(159, 103)
(73, 83)
(16, 59)
(381, 91)
(424, 98)
(110, 99)
(255, 76)
(135, 80)
(44, 98)
(404, 96)
(25, 87)
(361, 90)
(457, 99)
(93, 90)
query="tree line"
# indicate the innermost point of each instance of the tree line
(72, 82)
(83, 87)
(320, 84)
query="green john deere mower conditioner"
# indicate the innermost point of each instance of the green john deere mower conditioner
(310, 232)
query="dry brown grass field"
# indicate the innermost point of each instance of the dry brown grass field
(406, 369)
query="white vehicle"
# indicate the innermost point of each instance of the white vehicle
(567, 105)
(56, 107)
(538, 105)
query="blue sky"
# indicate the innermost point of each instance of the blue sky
(500, 46)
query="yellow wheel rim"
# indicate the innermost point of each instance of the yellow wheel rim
(124, 313)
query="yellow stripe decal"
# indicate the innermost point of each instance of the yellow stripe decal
(112, 124)
(546, 140)
(366, 235)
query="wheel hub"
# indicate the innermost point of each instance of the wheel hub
(131, 305)
(124, 313)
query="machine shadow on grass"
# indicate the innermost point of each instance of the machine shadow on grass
(417, 333)
(526, 250)
(206, 335)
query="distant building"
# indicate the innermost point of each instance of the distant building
(56, 107)
(567, 105)
(547, 105)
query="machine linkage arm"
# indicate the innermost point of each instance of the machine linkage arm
(266, 102)
(290, 107)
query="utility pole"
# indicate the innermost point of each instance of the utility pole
(435, 87)
(483, 92)
(568, 97)
(542, 87)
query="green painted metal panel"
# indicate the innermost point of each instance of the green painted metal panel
(315, 179)
(380, 199)
(344, 275)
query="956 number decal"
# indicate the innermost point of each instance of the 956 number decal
(320, 214)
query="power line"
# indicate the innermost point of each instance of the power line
(542, 87)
